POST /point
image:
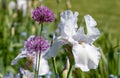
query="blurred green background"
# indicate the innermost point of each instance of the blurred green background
(15, 28)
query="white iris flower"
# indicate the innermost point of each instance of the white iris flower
(86, 55)
(44, 67)
(22, 5)
(12, 5)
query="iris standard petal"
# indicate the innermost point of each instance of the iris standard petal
(92, 32)
(86, 56)
(21, 55)
(80, 36)
(68, 24)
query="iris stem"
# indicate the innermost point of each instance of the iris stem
(54, 66)
(69, 71)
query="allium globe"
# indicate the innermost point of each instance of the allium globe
(36, 44)
(43, 14)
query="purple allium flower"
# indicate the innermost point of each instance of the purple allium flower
(36, 44)
(43, 14)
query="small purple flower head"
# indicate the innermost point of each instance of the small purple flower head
(43, 14)
(36, 44)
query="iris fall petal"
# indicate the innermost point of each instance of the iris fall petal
(21, 55)
(86, 56)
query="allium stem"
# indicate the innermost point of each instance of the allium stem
(39, 52)
(38, 65)
(36, 68)
(54, 66)
(41, 29)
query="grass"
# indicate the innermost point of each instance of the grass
(105, 12)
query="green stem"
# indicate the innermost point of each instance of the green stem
(54, 66)
(69, 71)
(58, 1)
(38, 64)
(41, 29)
(39, 56)
(36, 68)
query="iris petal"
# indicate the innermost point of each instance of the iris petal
(53, 51)
(21, 55)
(92, 32)
(68, 24)
(86, 56)
(44, 67)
